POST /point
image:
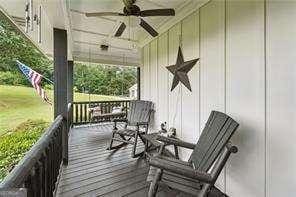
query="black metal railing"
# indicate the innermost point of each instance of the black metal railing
(82, 113)
(38, 171)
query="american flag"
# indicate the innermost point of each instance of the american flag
(35, 79)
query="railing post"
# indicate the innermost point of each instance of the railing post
(80, 113)
(38, 170)
(65, 139)
(60, 84)
(70, 92)
(70, 116)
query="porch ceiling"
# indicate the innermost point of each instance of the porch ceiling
(89, 33)
(85, 35)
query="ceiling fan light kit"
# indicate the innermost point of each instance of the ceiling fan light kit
(104, 47)
(130, 9)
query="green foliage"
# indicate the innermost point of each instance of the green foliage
(48, 87)
(6, 77)
(15, 144)
(95, 79)
(10, 78)
(14, 46)
(106, 80)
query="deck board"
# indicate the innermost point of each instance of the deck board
(95, 171)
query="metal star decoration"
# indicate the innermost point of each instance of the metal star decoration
(180, 70)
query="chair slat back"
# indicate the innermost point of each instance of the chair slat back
(139, 112)
(217, 132)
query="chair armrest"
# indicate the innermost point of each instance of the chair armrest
(153, 141)
(176, 142)
(180, 169)
(115, 120)
(139, 124)
(142, 123)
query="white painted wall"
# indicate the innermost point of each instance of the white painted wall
(247, 53)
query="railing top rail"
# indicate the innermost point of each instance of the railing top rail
(17, 176)
(113, 101)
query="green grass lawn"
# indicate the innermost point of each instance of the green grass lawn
(18, 104)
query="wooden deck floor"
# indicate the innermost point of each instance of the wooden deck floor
(95, 171)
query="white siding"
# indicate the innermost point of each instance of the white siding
(175, 96)
(245, 95)
(212, 59)
(281, 98)
(212, 77)
(190, 100)
(153, 81)
(145, 94)
(247, 69)
(163, 85)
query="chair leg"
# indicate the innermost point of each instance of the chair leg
(154, 184)
(204, 190)
(111, 147)
(111, 141)
(135, 144)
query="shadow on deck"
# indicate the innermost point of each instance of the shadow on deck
(95, 171)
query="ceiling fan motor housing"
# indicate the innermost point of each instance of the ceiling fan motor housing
(132, 10)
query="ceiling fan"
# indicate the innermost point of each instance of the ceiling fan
(130, 9)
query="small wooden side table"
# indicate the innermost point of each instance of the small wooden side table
(152, 143)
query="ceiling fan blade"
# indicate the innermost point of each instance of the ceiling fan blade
(120, 30)
(158, 12)
(148, 28)
(98, 14)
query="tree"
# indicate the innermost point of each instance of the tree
(108, 80)
(93, 78)
(14, 46)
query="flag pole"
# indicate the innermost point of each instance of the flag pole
(35, 79)
(48, 80)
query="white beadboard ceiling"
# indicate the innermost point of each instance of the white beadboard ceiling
(87, 34)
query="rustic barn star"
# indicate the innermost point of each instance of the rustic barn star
(180, 70)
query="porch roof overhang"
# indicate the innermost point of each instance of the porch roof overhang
(85, 35)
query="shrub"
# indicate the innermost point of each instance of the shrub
(7, 78)
(15, 144)
(10, 78)
(48, 87)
